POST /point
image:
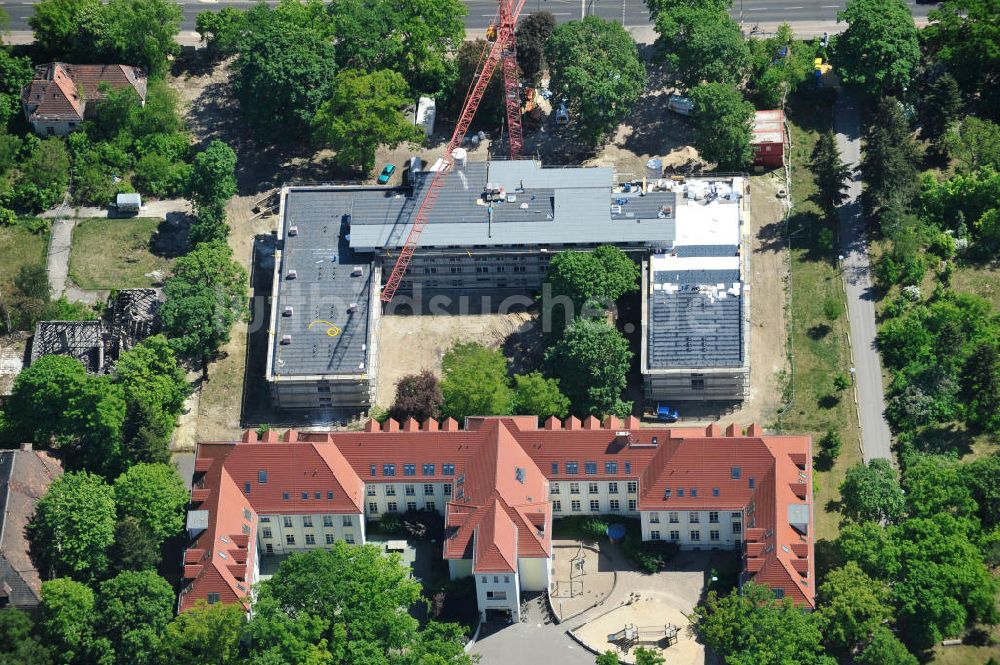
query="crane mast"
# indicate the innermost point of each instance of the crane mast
(502, 50)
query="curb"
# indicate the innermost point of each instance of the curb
(475, 636)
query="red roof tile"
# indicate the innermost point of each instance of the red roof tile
(61, 91)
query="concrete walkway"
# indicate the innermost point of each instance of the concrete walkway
(875, 437)
(57, 260)
(149, 209)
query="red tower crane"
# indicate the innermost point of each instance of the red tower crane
(500, 50)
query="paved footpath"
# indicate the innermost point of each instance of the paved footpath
(875, 437)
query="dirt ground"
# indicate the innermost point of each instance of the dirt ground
(578, 589)
(410, 344)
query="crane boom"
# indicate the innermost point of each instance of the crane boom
(501, 50)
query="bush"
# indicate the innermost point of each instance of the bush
(391, 523)
(650, 556)
(832, 308)
(160, 176)
(841, 381)
(595, 528)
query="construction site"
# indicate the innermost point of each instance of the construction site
(468, 237)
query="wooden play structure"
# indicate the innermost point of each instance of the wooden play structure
(632, 635)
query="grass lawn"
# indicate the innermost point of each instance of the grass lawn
(19, 247)
(115, 253)
(819, 341)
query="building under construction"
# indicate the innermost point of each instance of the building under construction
(492, 232)
(129, 319)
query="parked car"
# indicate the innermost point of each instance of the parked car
(386, 173)
(665, 414)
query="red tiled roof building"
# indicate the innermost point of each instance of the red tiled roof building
(499, 482)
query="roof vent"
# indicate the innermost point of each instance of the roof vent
(357, 271)
(289, 310)
(286, 339)
(352, 307)
(293, 230)
(292, 274)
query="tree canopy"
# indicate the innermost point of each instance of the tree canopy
(722, 123)
(204, 634)
(133, 609)
(475, 382)
(532, 32)
(150, 377)
(854, 607)
(417, 396)
(155, 496)
(592, 361)
(66, 619)
(595, 68)
(701, 43)
(830, 173)
(871, 492)
(535, 395)
(213, 176)
(964, 35)
(596, 279)
(878, 52)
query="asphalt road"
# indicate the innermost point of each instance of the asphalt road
(481, 12)
(875, 436)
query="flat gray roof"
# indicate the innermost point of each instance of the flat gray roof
(326, 295)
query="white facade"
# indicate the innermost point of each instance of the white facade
(535, 574)
(283, 534)
(499, 591)
(594, 497)
(694, 529)
(413, 494)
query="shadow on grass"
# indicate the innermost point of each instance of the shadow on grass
(827, 558)
(828, 401)
(819, 331)
(944, 438)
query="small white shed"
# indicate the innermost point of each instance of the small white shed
(128, 202)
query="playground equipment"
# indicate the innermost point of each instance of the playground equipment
(632, 635)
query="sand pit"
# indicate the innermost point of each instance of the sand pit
(654, 610)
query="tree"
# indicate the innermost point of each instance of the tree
(492, 110)
(777, 66)
(144, 437)
(535, 395)
(213, 177)
(609, 657)
(982, 477)
(592, 279)
(874, 547)
(55, 23)
(657, 6)
(139, 32)
(155, 495)
(94, 419)
(283, 73)
(980, 386)
(17, 644)
(220, 30)
(133, 609)
(963, 34)
(594, 67)
(209, 225)
(830, 173)
(31, 295)
(854, 606)
(363, 112)
(475, 382)
(934, 486)
(204, 634)
(701, 43)
(974, 144)
(879, 51)
(205, 296)
(73, 526)
(885, 649)
(278, 636)
(889, 164)
(439, 643)
(417, 396)
(15, 73)
(149, 375)
(871, 492)
(532, 32)
(939, 102)
(66, 619)
(644, 656)
(753, 627)
(44, 176)
(135, 548)
(592, 362)
(722, 124)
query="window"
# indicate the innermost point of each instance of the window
(675, 535)
(519, 474)
(329, 539)
(410, 490)
(695, 536)
(590, 468)
(591, 488)
(448, 469)
(631, 505)
(779, 593)
(713, 517)
(460, 480)
(305, 496)
(555, 468)
(349, 538)
(270, 548)
(496, 579)
(612, 488)
(693, 518)
(752, 483)
(310, 539)
(409, 469)
(288, 522)
(654, 535)
(322, 389)
(572, 468)
(246, 488)
(372, 507)
(307, 520)
(265, 520)
(262, 476)
(667, 492)
(266, 532)
(674, 517)
(390, 490)
(447, 490)
(391, 506)
(694, 491)
(428, 469)
(697, 384)
(411, 505)
(346, 520)
(575, 505)
(289, 539)
(327, 520)
(429, 505)
(654, 518)
(680, 491)
(374, 469)
(713, 535)
(284, 495)
(611, 467)
(715, 491)
(735, 473)
(737, 527)
(633, 487)
(628, 467)
(736, 516)
(496, 595)
(557, 506)
(371, 490)
(428, 489)
(213, 598)
(318, 496)
(614, 506)
(595, 505)
(554, 488)
(574, 488)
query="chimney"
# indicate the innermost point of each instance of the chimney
(713, 430)
(372, 425)
(632, 423)
(449, 425)
(755, 430)
(411, 425)
(390, 425)
(733, 430)
(553, 423)
(249, 436)
(270, 436)
(291, 436)
(591, 422)
(431, 425)
(613, 422)
(572, 423)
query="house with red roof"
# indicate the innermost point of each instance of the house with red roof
(499, 482)
(61, 96)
